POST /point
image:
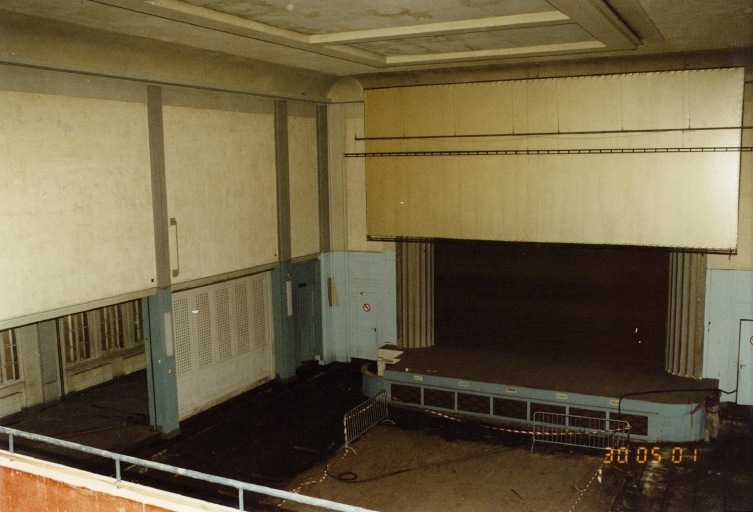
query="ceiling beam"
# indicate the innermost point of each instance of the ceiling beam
(545, 49)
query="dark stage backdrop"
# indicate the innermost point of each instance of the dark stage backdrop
(570, 301)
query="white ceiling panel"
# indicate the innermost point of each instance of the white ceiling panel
(345, 37)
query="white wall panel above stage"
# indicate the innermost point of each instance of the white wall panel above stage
(223, 341)
(76, 214)
(648, 159)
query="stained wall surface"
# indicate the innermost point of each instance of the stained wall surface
(77, 210)
(221, 183)
(575, 160)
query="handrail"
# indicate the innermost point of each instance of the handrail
(198, 475)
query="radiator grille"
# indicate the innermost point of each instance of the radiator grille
(182, 333)
(204, 329)
(258, 298)
(224, 333)
(217, 325)
(240, 294)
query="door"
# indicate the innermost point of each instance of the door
(745, 364)
(364, 333)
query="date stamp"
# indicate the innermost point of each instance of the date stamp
(643, 454)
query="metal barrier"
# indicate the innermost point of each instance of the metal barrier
(580, 431)
(229, 482)
(362, 418)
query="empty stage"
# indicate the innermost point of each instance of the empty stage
(510, 387)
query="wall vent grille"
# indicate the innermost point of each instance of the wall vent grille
(224, 331)
(204, 329)
(182, 333)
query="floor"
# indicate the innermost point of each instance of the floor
(289, 436)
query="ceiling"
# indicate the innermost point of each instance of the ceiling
(349, 37)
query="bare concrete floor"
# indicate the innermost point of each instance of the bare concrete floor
(425, 463)
(460, 468)
(394, 470)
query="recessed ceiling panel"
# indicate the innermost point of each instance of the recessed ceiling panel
(328, 16)
(476, 41)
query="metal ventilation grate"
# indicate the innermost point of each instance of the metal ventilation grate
(182, 333)
(259, 300)
(203, 329)
(224, 331)
(242, 323)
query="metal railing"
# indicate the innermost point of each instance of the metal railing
(361, 418)
(229, 482)
(580, 431)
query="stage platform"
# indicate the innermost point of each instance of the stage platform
(510, 387)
